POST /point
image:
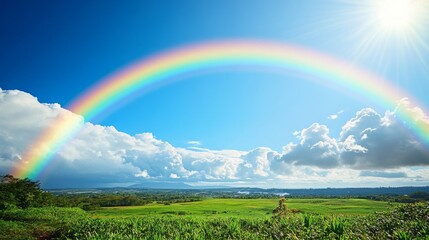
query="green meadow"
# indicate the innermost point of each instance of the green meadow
(334, 218)
(246, 208)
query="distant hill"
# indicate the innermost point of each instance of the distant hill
(339, 191)
(177, 187)
(323, 192)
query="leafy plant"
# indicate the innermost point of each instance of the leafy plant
(307, 220)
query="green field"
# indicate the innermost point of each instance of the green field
(223, 219)
(27, 212)
(247, 208)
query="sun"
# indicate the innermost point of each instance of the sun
(397, 16)
(389, 36)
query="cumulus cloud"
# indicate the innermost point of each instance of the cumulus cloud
(256, 163)
(104, 154)
(367, 141)
(335, 116)
(374, 141)
(367, 145)
(316, 148)
(22, 118)
(211, 164)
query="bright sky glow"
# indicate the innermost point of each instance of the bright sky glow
(399, 16)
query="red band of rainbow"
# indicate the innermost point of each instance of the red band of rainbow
(213, 55)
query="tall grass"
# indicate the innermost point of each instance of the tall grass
(403, 222)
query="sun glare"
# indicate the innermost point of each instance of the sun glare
(388, 33)
(398, 16)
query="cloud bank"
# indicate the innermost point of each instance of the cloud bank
(368, 147)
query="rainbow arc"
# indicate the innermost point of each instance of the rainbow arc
(213, 55)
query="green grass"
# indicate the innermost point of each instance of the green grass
(339, 206)
(246, 208)
(39, 223)
(323, 219)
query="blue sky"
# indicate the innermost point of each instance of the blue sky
(55, 50)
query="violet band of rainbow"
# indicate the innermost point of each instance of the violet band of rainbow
(212, 55)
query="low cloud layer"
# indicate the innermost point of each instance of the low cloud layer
(383, 174)
(368, 144)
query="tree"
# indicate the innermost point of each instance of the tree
(22, 193)
(420, 195)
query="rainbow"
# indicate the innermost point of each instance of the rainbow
(205, 56)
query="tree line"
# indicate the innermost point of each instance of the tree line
(24, 193)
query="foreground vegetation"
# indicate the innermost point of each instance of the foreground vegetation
(408, 221)
(27, 212)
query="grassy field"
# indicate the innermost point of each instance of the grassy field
(243, 219)
(246, 208)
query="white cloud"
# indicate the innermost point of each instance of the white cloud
(365, 119)
(101, 154)
(211, 164)
(373, 141)
(22, 119)
(335, 116)
(174, 176)
(367, 141)
(316, 148)
(255, 164)
(194, 143)
(143, 174)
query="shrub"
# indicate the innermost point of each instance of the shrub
(22, 193)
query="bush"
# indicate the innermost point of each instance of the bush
(22, 193)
